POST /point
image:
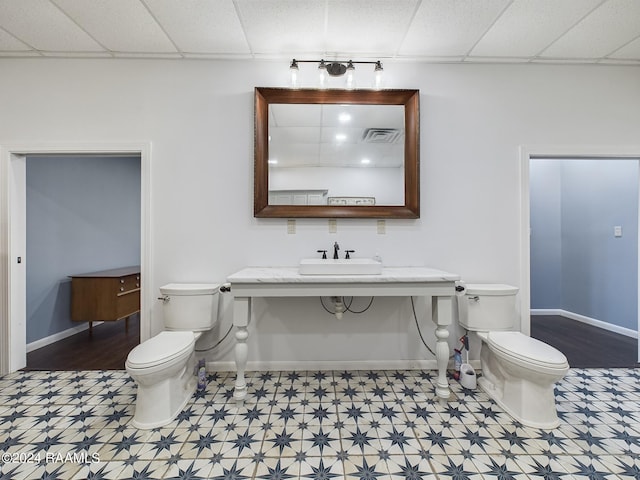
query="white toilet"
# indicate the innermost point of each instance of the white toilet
(518, 372)
(164, 366)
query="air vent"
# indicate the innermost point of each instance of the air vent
(380, 135)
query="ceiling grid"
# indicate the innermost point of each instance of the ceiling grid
(449, 31)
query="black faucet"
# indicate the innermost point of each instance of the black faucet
(336, 247)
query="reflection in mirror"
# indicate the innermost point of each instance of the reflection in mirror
(336, 154)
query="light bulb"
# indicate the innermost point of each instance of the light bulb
(293, 72)
(378, 72)
(349, 78)
(322, 71)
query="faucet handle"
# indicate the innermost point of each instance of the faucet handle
(347, 252)
(324, 254)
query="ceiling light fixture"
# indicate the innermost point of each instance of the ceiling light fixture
(336, 68)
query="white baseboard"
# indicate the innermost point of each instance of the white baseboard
(261, 366)
(627, 332)
(43, 342)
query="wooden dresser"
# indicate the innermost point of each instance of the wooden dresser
(104, 296)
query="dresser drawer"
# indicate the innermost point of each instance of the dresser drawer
(106, 295)
(127, 284)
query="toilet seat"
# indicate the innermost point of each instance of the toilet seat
(161, 349)
(525, 349)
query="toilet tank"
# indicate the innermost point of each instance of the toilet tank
(486, 307)
(190, 306)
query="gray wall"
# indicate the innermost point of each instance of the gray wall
(83, 215)
(546, 239)
(577, 264)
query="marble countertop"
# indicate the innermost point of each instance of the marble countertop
(388, 275)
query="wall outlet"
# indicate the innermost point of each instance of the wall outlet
(333, 225)
(291, 226)
(382, 227)
(617, 231)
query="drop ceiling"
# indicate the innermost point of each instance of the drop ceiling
(550, 31)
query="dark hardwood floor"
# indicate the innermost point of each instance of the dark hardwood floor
(585, 346)
(105, 349)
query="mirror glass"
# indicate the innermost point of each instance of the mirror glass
(336, 153)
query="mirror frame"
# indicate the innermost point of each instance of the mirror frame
(409, 98)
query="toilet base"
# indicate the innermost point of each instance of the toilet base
(160, 403)
(513, 400)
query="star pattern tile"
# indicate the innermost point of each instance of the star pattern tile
(319, 425)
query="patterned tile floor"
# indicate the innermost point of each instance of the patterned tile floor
(315, 425)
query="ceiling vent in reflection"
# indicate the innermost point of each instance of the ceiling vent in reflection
(380, 135)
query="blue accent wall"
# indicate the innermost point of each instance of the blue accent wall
(546, 239)
(83, 215)
(577, 264)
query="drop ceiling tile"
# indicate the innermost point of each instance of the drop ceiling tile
(529, 26)
(119, 25)
(368, 26)
(449, 27)
(629, 51)
(295, 115)
(278, 26)
(604, 31)
(40, 24)
(9, 43)
(201, 26)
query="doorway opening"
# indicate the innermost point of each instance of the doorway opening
(82, 216)
(580, 252)
(13, 237)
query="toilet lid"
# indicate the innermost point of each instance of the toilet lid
(160, 349)
(534, 351)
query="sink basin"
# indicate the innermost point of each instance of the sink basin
(352, 266)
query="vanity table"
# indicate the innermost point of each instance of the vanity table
(255, 282)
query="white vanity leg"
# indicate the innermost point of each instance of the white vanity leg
(241, 315)
(441, 309)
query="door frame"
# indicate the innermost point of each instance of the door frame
(13, 351)
(532, 152)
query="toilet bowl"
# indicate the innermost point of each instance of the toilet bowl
(518, 372)
(163, 367)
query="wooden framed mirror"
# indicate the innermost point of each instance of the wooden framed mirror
(336, 153)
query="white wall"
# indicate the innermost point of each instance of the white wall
(199, 117)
